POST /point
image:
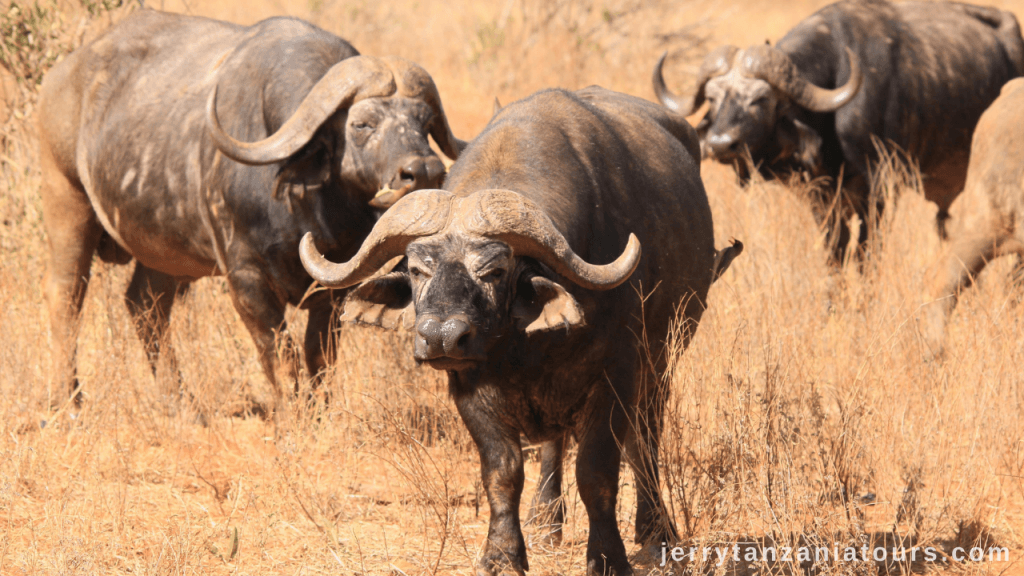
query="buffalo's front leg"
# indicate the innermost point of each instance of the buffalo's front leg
(547, 511)
(501, 466)
(262, 312)
(837, 231)
(597, 475)
(320, 345)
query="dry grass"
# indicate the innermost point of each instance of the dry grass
(803, 411)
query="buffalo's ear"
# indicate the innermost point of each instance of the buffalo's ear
(385, 301)
(801, 143)
(305, 171)
(809, 150)
(541, 304)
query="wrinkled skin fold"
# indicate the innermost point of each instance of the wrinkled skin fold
(523, 281)
(197, 147)
(854, 78)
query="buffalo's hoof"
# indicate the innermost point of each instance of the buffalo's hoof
(602, 567)
(495, 562)
(650, 555)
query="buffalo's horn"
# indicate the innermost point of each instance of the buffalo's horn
(347, 82)
(775, 67)
(417, 214)
(507, 216)
(716, 63)
(414, 82)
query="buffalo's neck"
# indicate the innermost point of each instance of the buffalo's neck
(272, 227)
(538, 384)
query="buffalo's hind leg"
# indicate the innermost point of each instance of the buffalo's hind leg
(967, 258)
(547, 510)
(941, 217)
(653, 524)
(597, 476)
(73, 233)
(150, 297)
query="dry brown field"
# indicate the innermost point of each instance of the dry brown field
(804, 412)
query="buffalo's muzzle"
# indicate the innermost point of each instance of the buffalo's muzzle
(448, 339)
(418, 172)
(723, 146)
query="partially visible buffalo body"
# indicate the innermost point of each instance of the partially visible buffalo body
(140, 160)
(990, 212)
(855, 75)
(524, 281)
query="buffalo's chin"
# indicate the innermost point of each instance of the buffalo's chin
(445, 363)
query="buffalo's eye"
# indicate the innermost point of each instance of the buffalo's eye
(493, 275)
(362, 126)
(418, 273)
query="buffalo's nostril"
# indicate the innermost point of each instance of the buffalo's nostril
(430, 343)
(457, 335)
(413, 171)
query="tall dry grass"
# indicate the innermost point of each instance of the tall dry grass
(803, 411)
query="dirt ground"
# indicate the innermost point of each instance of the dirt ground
(804, 412)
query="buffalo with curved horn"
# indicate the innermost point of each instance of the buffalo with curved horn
(856, 75)
(524, 281)
(199, 148)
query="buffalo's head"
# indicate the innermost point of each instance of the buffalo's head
(371, 116)
(754, 100)
(475, 267)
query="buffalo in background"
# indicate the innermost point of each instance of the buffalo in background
(856, 76)
(990, 212)
(140, 160)
(524, 281)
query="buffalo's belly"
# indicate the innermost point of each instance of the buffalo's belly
(162, 234)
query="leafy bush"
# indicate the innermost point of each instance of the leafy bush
(34, 37)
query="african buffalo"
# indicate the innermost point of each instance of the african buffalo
(855, 75)
(990, 211)
(140, 160)
(524, 281)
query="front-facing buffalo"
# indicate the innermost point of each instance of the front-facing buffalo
(524, 281)
(857, 75)
(140, 159)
